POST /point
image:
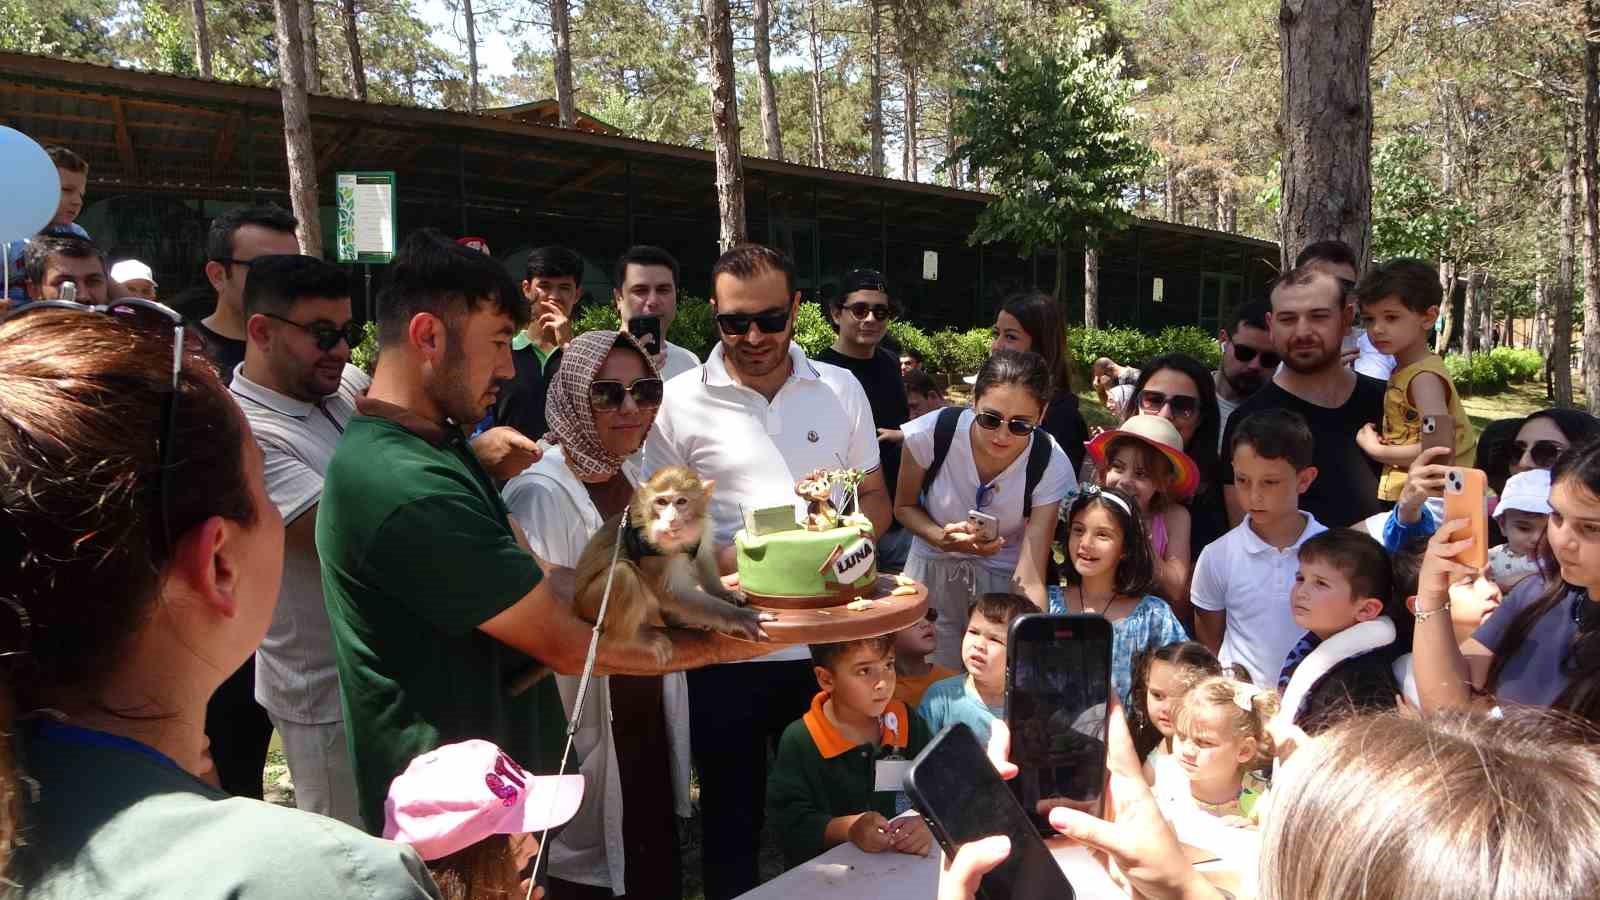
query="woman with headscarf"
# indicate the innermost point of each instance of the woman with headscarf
(634, 735)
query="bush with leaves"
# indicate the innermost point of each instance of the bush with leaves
(364, 355)
(1521, 365)
(911, 339)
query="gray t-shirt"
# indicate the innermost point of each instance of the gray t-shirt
(114, 819)
(1535, 674)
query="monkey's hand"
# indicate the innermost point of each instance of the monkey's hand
(726, 594)
(698, 609)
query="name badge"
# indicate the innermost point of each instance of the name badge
(854, 561)
(890, 774)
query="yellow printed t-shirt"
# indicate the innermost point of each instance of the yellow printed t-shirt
(1402, 422)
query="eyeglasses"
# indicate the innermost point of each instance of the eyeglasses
(862, 310)
(989, 421)
(1544, 453)
(327, 335)
(1269, 360)
(1183, 406)
(230, 261)
(146, 313)
(734, 324)
(606, 395)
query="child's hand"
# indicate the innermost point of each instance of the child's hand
(1424, 479)
(870, 832)
(910, 834)
(1368, 439)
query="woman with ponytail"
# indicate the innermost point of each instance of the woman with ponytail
(140, 559)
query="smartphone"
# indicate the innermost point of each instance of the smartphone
(985, 527)
(1058, 686)
(69, 291)
(955, 787)
(1464, 499)
(648, 330)
(1438, 431)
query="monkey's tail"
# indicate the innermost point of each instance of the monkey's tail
(577, 701)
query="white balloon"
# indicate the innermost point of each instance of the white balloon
(29, 183)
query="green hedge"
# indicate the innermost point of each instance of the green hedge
(1492, 372)
(1132, 347)
(695, 327)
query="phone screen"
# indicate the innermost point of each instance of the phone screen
(1058, 682)
(955, 787)
(648, 330)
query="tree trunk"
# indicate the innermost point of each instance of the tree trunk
(909, 161)
(1174, 203)
(1091, 288)
(1447, 285)
(1471, 315)
(297, 141)
(561, 38)
(1326, 116)
(352, 42)
(202, 38)
(1486, 341)
(308, 31)
(875, 112)
(950, 138)
(1559, 358)
(817, 158)
(472, 55)
(1591, 207)
(762, 17)
(725, 125)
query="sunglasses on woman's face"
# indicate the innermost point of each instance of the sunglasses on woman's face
(736, 324)
(1269, 360)
(989, 421)
(606, 395)
(1543, 453)
(862, 310)
(1183, 406)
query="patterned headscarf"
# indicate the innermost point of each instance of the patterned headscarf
(567, 405)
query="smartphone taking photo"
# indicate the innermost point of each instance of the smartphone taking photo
(1058, 687)
(647, 329)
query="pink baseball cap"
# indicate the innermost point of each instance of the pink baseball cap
(455, 796)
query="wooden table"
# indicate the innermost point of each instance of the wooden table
(889, 613)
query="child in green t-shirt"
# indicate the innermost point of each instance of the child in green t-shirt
(838, 770)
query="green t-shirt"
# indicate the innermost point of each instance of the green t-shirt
(417, 551)
(114, 819)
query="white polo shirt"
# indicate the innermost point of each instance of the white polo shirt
(679, 360)
(295, 674)
(756, 450)
(1249, 579)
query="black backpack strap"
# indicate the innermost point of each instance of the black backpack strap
(944, 431)
(1038, 461)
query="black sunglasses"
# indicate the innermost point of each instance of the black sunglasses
(327, 335)
(145, 313)
(1269, 360)
(862, 310)
(1544, 453)
(988, 421)
(606, 394)
(1182, 405)
(734, 324)
(230, 261)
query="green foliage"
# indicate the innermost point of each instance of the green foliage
(1492, 372)
(596, 317)
(1523, 364)
(1050, 122)
(1132, 347)
(911, 338)
(811, 329)
(364, 355)
(957, 353)
(694, 328)
(74, 29)
(1411, 216)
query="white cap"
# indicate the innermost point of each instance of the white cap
(132, 270)
(1526, 491)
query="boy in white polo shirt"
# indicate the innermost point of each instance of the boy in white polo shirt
(1243, 579)
(755, 417)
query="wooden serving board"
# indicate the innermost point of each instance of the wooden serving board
(823, 626)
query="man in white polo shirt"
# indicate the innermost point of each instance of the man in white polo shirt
(756, 417)
(298, 391)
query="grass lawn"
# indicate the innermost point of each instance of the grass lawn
(1514, 402)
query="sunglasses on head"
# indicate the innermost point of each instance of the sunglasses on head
(326, 335)
(862, 309)
(1183, 406)
(735, 324)
(606, 395)
(1269, 360)
(1544, 453)
(989, 421)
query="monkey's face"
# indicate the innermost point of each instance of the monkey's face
(675, 521)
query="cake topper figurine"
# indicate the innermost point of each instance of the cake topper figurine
(822, 512)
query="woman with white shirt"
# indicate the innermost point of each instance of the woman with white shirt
(984, 470)
(634, 736)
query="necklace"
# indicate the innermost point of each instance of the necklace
(1083, 602)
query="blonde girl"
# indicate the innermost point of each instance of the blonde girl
(1220, 738)
(1144, 459)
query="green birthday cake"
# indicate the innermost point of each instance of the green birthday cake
(826, 560)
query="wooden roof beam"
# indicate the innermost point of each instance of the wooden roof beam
(130, 162)
(330, 157)
(589, 177)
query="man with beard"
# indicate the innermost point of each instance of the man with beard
(756, 417)
(435, 602)
(1308, 322)
(1247, 360)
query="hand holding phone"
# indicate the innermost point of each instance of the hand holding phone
(985, 528)
(1464, 491)
(1058, 687)
(647, 329)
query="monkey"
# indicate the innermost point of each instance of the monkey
(666, 569)
(817, 490)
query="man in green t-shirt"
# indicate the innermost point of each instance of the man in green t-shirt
(435, 602)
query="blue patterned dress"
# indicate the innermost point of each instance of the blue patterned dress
(1150, 625)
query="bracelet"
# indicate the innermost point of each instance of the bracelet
(1423, 616)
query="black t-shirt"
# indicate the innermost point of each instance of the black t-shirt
(522, 399)
(224, 352)
(1346, 488)
(886, 393)
(1066, 425)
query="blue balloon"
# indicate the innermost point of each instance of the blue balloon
(30, 184)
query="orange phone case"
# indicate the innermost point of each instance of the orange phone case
(1464, 491)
